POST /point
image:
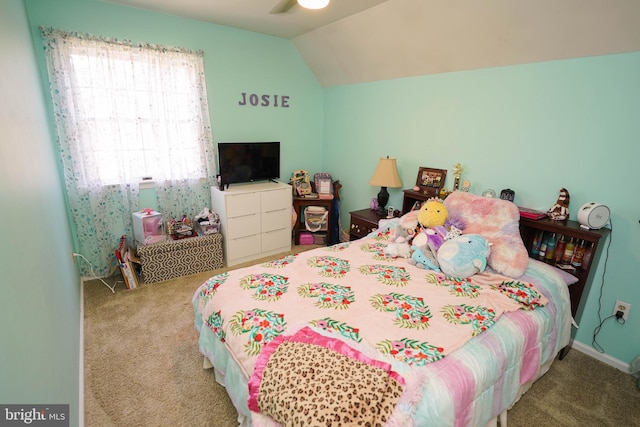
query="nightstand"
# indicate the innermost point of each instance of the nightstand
(299, 205)
(410, 198)
(363, 222)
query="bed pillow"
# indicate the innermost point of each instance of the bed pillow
(568, 278)
(496, 220)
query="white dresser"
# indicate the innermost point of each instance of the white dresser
(255, 220)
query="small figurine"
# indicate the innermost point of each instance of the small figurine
(457, 173)
(560, 211)
(390, 212)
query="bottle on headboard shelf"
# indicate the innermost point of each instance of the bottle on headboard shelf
(535, 246)
(560, 246)
(542, 252)
(551, 247)
(568, 252)
(586, 259)
(578, 254)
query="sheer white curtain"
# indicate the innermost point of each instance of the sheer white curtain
(122, 112)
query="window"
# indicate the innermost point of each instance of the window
(133, 110)
(123, 112)
(151, 118)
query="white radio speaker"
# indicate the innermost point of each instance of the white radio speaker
(593, 215)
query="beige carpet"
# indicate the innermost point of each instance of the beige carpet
(143, 368)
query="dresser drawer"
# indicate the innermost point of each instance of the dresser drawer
(243, 204)
(275, 199)
(244, 247)
(276, 239)
(360, 227)
(276, 219)
(364, 222)
(242, 226)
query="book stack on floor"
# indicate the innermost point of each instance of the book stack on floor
(125, 259)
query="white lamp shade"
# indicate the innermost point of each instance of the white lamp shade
(386, 174)
(313, 4)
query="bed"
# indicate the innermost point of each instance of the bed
(345, 334)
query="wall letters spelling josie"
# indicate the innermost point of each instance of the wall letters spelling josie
(264, 100)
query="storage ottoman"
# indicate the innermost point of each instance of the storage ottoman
(176, 258)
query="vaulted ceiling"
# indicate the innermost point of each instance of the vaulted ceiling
(355, 41)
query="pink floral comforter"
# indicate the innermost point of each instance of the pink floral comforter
(352, 290)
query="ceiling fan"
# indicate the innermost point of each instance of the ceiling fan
(284, 5)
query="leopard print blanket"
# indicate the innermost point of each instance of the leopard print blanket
(307, 384)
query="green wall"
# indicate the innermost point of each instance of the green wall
(532, 128)
(40, 287)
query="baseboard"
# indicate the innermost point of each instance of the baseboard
(81, 358)
(602, 357)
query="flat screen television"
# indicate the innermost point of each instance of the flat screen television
(248, 161)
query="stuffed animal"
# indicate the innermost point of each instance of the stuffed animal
(398, 250)
(406, 228)
(560, 211)
(423, 259)
(432, 213)
(403, 232)
(454, 226)
(464, 256)
(431, 218)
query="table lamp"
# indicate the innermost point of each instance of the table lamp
(385, 175)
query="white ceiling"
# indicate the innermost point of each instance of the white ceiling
(253, 15)
(354, 41)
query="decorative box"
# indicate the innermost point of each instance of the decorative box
(206, 227)
(176, 258)
(306, 238)
(148, 227)
(320, 239)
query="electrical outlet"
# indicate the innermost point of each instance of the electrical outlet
(623, 307)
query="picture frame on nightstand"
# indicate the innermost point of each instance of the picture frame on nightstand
(430, 181)
(300, 182)
(324, 188)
